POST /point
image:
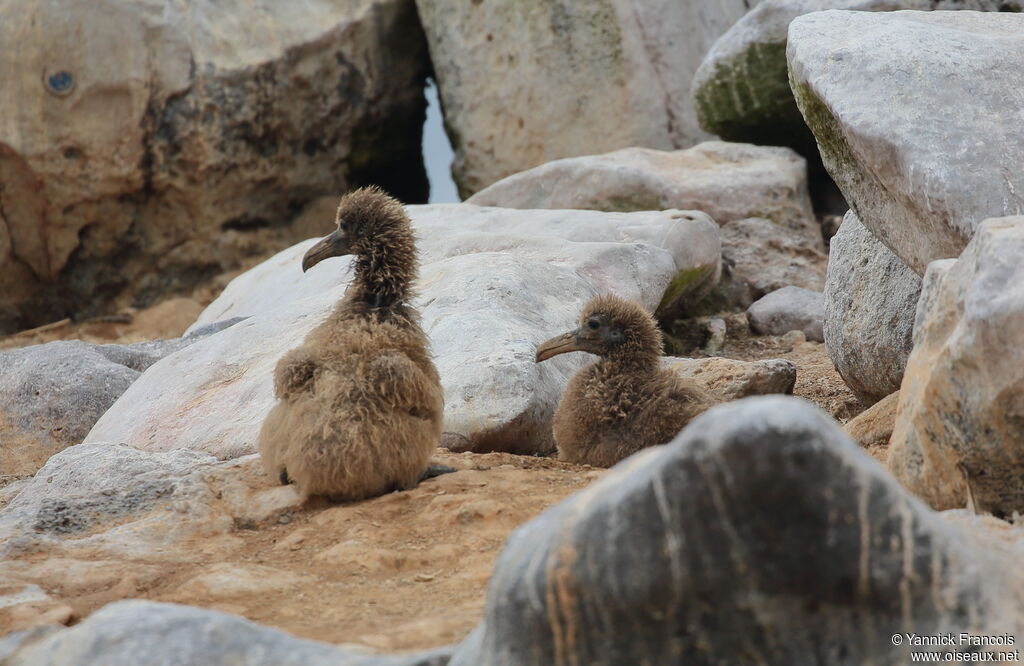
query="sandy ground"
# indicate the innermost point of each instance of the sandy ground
(404, 571)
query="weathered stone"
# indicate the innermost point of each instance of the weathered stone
(759, 257)
(24, 606)
(135, 171)
(770, 238)
(872, 428)
(921, 187)
(527, 83)
(763, 501)
(79, 497)
(51, 395)
(167, 634)
(870, 300)
(494, 284)
(728, 181)
(729, 379)
(788, 309)
(961, 408)
(741, 90)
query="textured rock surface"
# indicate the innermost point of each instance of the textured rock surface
(494, 284)
(870, 300)
(962, 397)
(788, 309)
(770, 238)
(728, 181)
(729, 379)
(79, 497)
(527, 83)
(715, 518)
(741, 90)
(134, 171)
(872, 428)
(759, 256)
(171, 634)
(51, 395)
(920, 186)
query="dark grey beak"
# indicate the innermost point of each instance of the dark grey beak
(334, 245)
(561, 344)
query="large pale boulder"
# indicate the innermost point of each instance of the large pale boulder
(870, 301)
(170, 634)
(760, 530)
(960, 421)
(921, 187)
(128, 172)
(494, 284)
(741, 90)
(525, 83)
(770, 238)
(51, 395)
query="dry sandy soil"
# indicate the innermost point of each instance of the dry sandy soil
(400, 572)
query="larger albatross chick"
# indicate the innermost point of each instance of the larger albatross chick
(624, 401)
(360, 403)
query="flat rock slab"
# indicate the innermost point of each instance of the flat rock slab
(758, 194)
(494, 284)
(788, 309)
(764, 499)
(870, 301)
(728, 181)
(960, 420)
(523, 84)
(921, 187)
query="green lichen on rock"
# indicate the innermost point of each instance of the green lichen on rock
(685, 290)
(747, 99)
(634, 201)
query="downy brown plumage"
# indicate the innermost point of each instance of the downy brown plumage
(624, 401)
(360, 402)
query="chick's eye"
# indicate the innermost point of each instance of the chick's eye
(593, 325)
(616, 333)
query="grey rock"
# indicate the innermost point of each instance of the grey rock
(759, 256)
(960, 422)
(51, 395)
(788, 309)
(127, 633)
(741, 90)
(760, 533)
(196, 143)
(870, 301)
(103, 497)
(757, 194)
(921, 187)
(524, 84)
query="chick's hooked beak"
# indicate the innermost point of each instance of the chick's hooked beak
(334, 245)
(561, 344)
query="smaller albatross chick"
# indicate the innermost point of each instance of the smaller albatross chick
(360, 404)
(624, 401)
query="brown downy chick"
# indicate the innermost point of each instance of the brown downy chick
(360, 404)
(624, 401)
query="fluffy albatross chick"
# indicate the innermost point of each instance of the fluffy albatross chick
(624, 401)
(360, 405)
